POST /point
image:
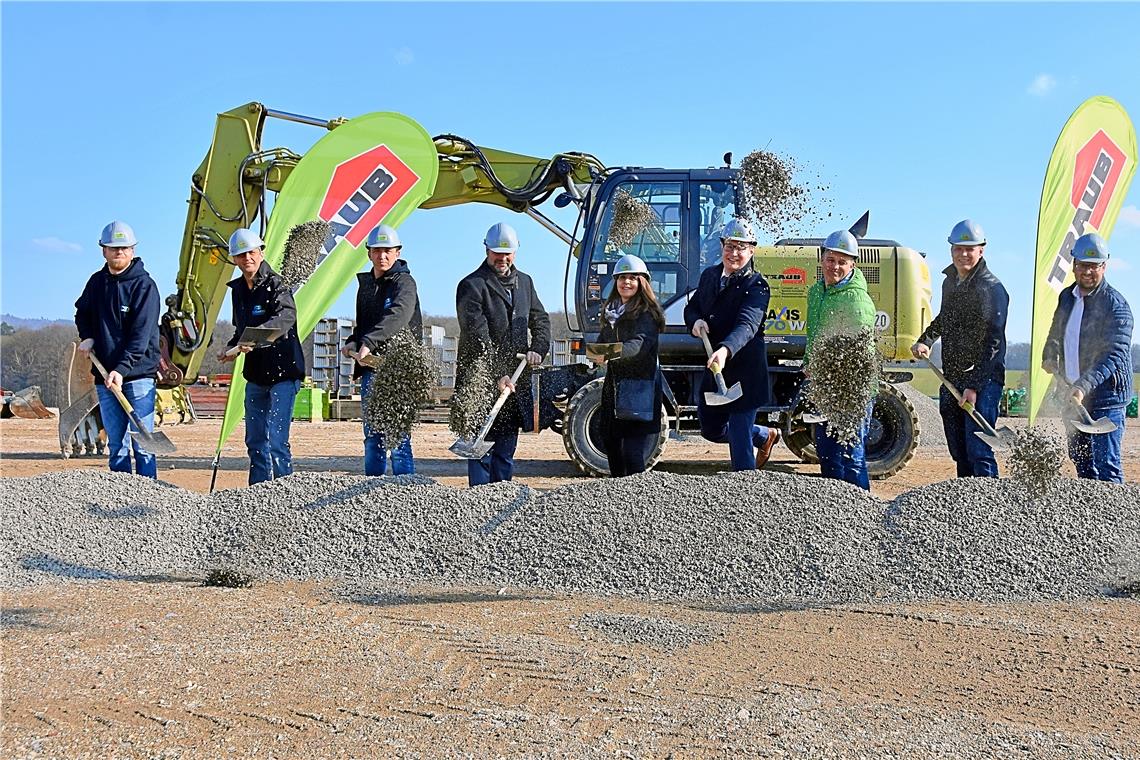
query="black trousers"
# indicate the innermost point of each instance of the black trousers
(628, 454)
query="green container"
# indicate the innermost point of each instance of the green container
(311, 405)
(1132, 407)
(1014, 402)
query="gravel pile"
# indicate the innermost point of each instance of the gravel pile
(658, 633)
(302, 251)
(1035, 459)
(764, 536)
(931, 434)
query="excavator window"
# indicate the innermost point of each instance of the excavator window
(717, 206)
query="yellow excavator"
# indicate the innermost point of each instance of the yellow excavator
(230, 188)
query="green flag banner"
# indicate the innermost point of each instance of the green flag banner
(374, 169)
(1085, 184)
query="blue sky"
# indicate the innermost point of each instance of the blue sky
(924, 114)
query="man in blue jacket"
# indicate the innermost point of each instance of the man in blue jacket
(731, 304)
(971, 324)
(272, 372)
(387, 303)
(117, 319)
(1090, 346)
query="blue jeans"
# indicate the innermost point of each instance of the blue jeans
(972, 455)
(268, 414)
(1097, 457)
(498, 464)
(141, 394)
(738, 429)
(375, 448)
(846, 462)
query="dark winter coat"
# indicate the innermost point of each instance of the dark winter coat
(385, 306)
(490, 318)
(120, 313)
(1105, 346)
(269, 303)
(638, 361)
(735, 317)
(971, 324)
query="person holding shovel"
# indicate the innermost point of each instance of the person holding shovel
(1090, 347)
(117, 320)
(499, 311)
(971, 324)
(273, 372)
(840, 304)
(630, 412)
(387, 303)
(729, 306)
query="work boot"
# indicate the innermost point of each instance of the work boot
(764, 450)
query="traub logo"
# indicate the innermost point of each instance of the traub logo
(1097, 168)
(362, 191)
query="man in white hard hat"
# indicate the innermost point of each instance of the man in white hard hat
(971, 324)
(1090, 349)
(117, 319)
(499, 311)
(272, 372)
(387, 303)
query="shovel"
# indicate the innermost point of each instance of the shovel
(478, 448)
(604, 351)
(155, 443)
(1002, 438)
(255, 337)
(724, 395)
(1084, 421)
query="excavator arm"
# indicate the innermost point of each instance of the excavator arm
(230, 187)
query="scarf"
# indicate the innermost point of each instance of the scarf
(613, 313)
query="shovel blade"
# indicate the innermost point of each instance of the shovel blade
(718, 399)
(155, 443)
(812, 418)
(471, 449)
(1094, 427)
(1002, 439)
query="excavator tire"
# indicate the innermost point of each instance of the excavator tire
(582, 435)
(891, 442)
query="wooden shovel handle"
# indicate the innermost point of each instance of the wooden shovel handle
(114, 389)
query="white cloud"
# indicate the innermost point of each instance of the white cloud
(1130, 215)
(56, 245)
(1120, 265)
(1042, 85)
(404, 56)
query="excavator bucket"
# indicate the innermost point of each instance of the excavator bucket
(80, 426)
(28, 405)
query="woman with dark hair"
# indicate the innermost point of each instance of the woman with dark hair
(630, 414)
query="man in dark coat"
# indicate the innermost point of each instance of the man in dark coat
(387, 303)
(731, 304)
(1090, 346)
(499, 311)
(971, 324)
(117, 320)
(272, 372)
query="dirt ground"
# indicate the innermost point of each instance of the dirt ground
(170, 668)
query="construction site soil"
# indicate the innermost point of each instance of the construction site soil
(936, 624)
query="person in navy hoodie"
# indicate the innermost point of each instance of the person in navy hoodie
(731, 304)
(1090, 346)
(117, 320)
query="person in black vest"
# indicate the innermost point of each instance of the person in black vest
(273, 373)
(499, 311)
(633, 318)
(386, 304)
(731, 304)
(117, 320)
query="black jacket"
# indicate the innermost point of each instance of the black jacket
(971, 323)
(735, 317)
(490, 318)
(384, 306)
(1105, 346)
(638, 361)
(269, 303)
(120, 313)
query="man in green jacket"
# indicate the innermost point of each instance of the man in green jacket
(840, 304)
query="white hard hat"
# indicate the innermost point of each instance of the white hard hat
(502, 238)
(117, 235)
(384, 237)
(244, 240)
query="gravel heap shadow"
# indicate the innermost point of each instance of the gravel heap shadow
(302, 251)
(472, 401)
(1035, 459)
(401, 384)
(771, 198)
(845, 370)
(631, 216)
